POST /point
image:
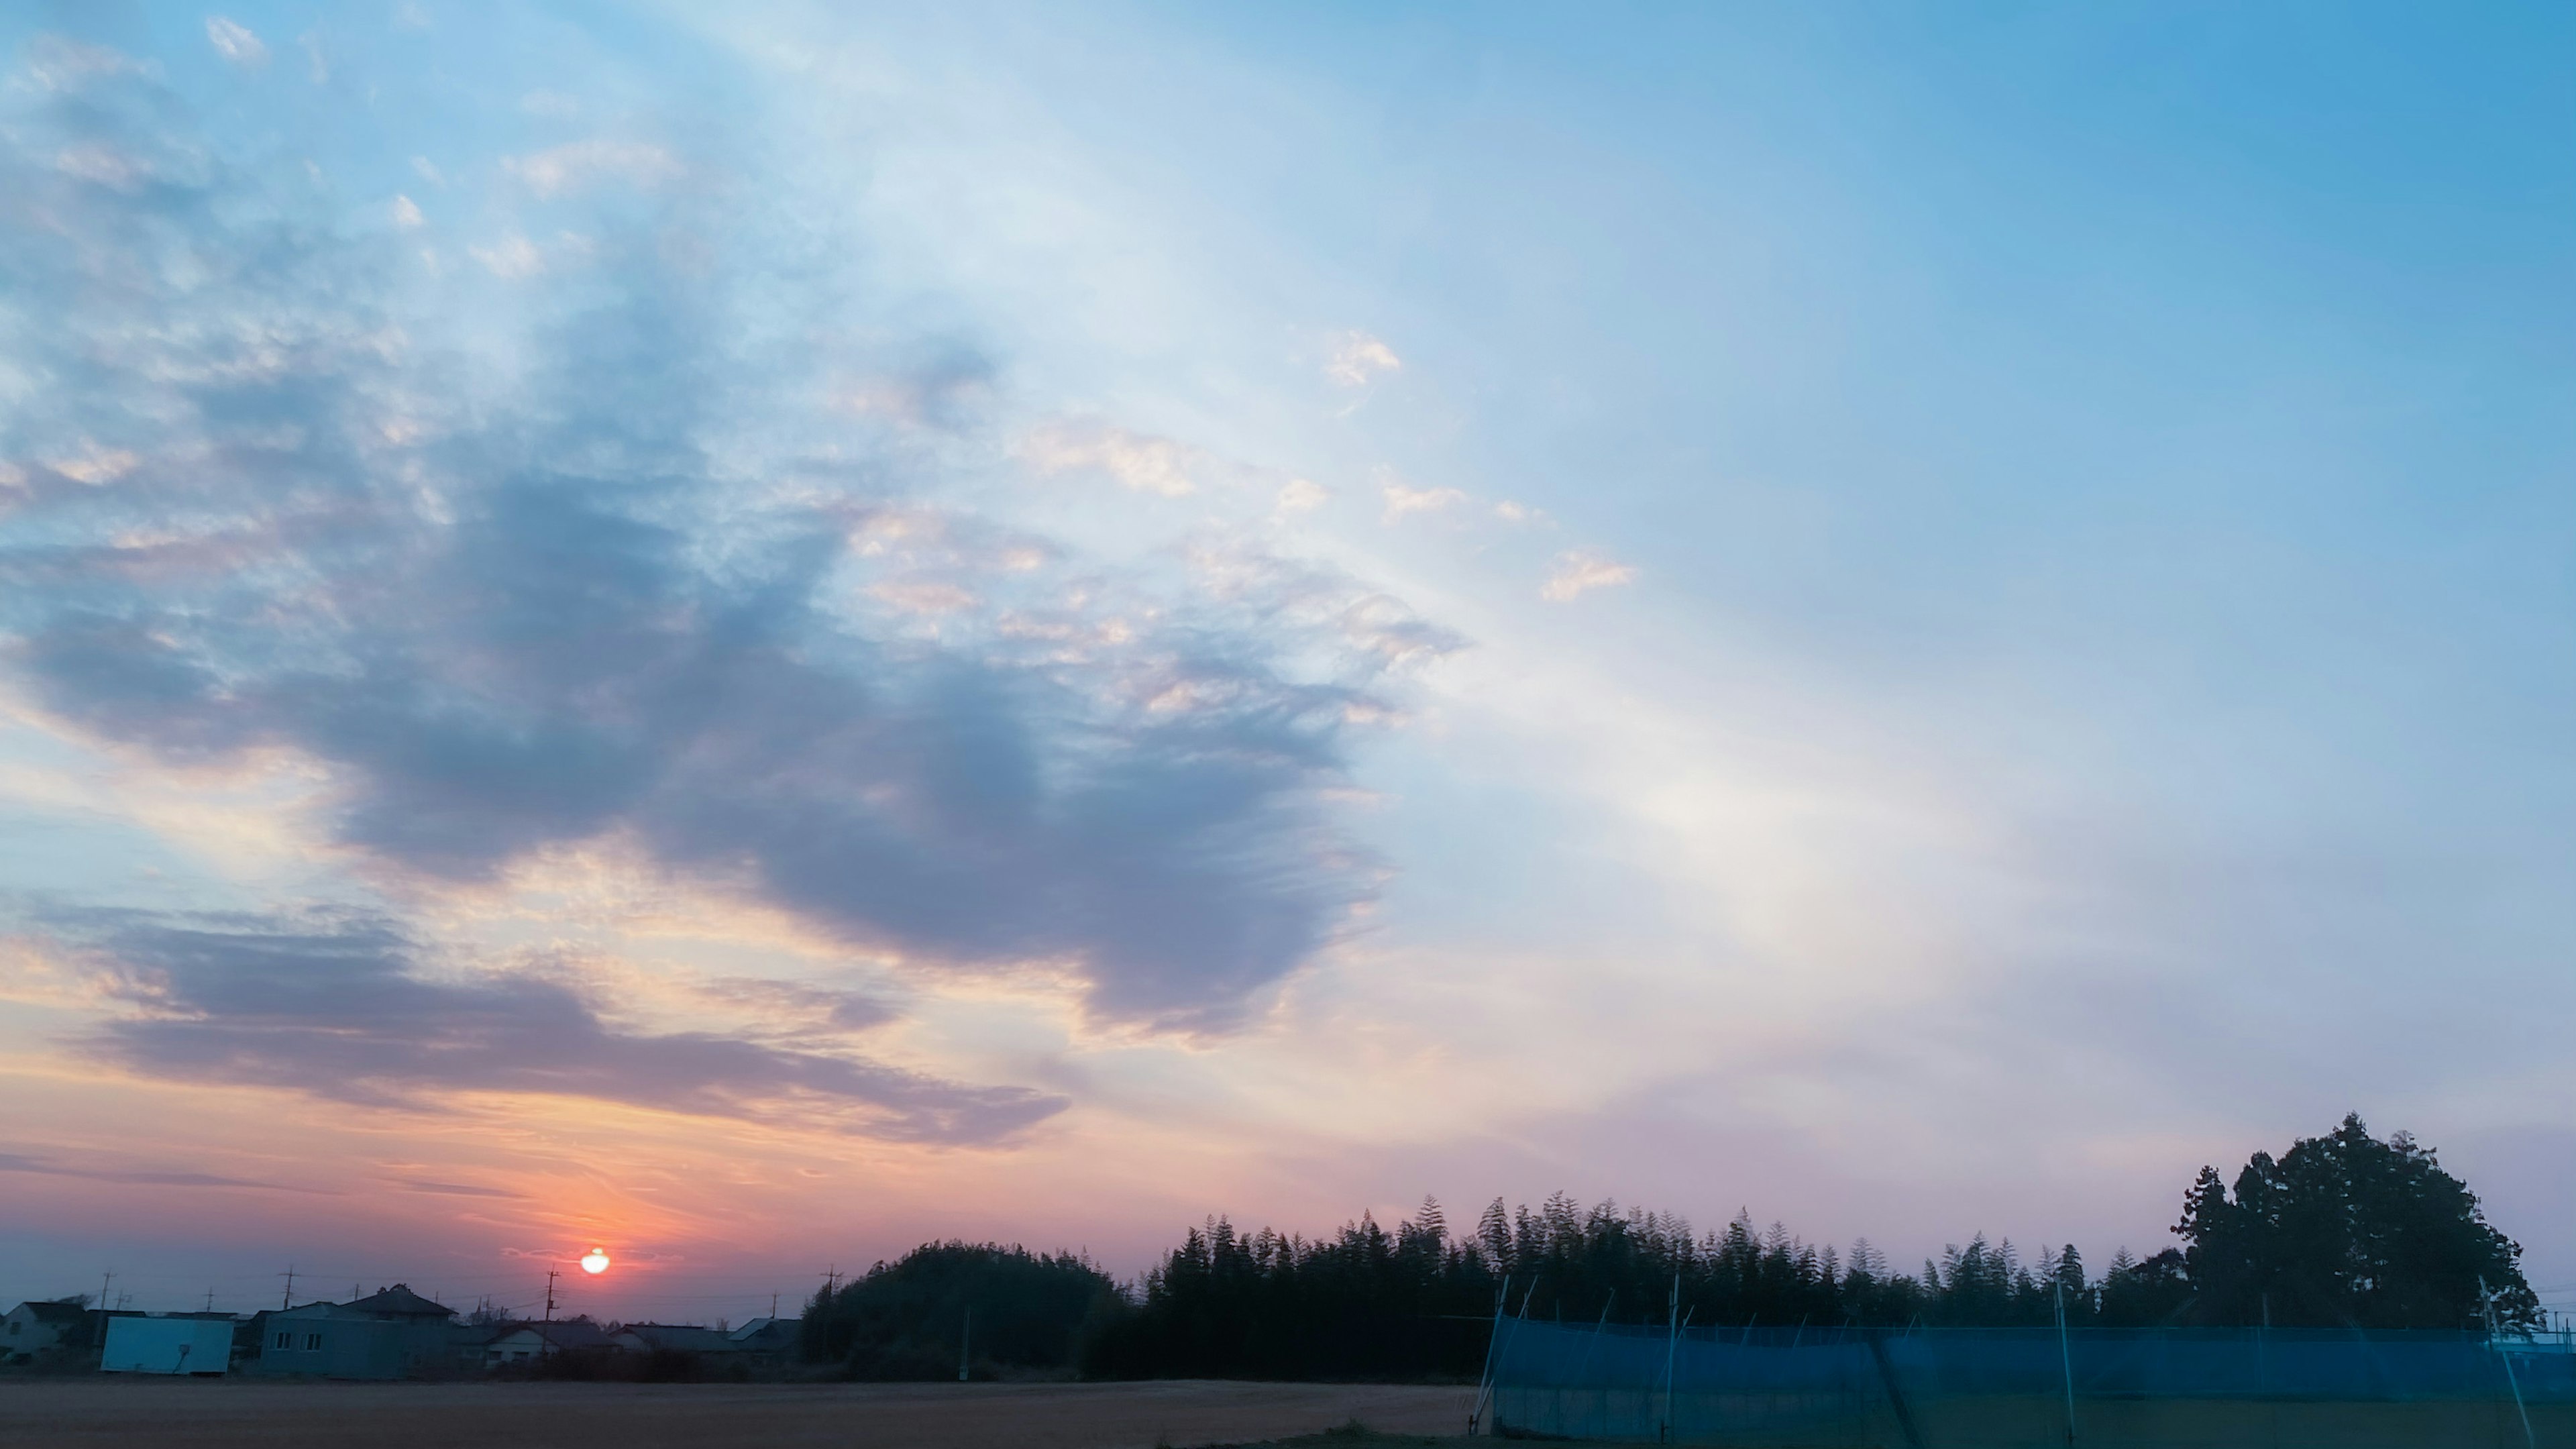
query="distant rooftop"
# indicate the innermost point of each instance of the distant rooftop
(399, 1302)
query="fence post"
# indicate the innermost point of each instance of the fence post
(2495, 1342)
(1502, 1295)
(1672, 1344)
(2066, 1359)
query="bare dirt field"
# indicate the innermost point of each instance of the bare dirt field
(220, 1414)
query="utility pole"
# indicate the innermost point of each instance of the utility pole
(104, 1279)
(548, 1334)
(288, 1300)
(210, 1300)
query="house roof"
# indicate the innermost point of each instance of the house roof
(318, 1308)
(688, 1337)
(50, 1312)
(400, 1302)
(766, 1328)
(562, 1334)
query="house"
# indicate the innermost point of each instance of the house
(673, 1338)
(31, 1328)
(520, 1342)
(389, 1334)
(197, 1344)
(773, 1338)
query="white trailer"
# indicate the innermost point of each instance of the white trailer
(167, 1346)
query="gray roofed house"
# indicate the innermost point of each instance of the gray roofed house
(769, 1337)
(389, 1334)
(34, 1326)
(399, 1302)
(674, 1338)
(519, 1342)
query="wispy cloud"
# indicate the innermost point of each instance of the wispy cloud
(454, 1189)
(1140, 462)
(1402, 501)
(560, 170)
(1582, 570)
(139, 1177)
(234, 42)
(514, 257)
(1301, 495)
(343, 1009)
(1357, 357)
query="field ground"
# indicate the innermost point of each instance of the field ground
(242, 1414)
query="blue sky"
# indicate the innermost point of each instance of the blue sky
(1037, 624)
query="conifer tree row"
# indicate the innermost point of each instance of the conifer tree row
(2342, 1231)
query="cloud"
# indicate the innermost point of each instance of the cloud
(104, 166)
(453, 1189)
(512, 257)
(1139, 462)
(1401, 500)
(57, 64)
(806, 1008)
(564, 169)
(1357, 357)
(406, 213)
(342, 1009)
(234, 42)
(144, 1177)
(1299, 495)
(1582, 570)
(622, 598)
(943, 387)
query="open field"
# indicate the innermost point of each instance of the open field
(203, 1414)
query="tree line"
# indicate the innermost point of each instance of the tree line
(2343, 1230)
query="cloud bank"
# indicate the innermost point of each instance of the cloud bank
(568, 569)
(345, 1010)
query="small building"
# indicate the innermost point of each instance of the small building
(673, 1338)
(769, 1338)
(32, 1327)
(392, 1333)
(197, 1344)
(520, 1342)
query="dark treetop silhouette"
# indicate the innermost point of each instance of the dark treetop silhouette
(2342, 1230)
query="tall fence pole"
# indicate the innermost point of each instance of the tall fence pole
(2495, 1340)
(1672, 1345)
(2066, 1359)
(1502, 1295)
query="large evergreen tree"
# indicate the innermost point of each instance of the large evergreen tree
(2348, 1230)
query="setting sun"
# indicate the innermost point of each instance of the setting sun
(595, 1261)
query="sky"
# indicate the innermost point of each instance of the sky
(755, 634)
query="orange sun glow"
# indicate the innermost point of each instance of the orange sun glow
(595, 1261)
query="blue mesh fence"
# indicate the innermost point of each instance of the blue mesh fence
(1940, 1388)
